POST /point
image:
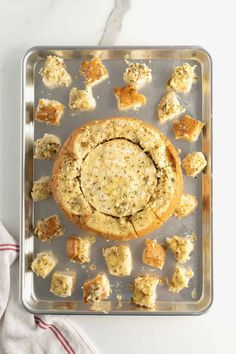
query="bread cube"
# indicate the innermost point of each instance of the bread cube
(129, 98)
(137, 74)
(49, 111)
(78, 249)
(194, 163)
(187, 205)
(54, 72)
(41, 189)
(154, 254)
(96, 289)
(93, 72)
(181, 247)
(81, 100)
(180, 279)
(48, 228)
(43, 264)
(145, 290)
(169, 107)
(187, 128)
(118, 260)
(47, 148)
(182, 78)
(63, 283)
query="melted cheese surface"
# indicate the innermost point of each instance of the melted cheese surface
(118, 178)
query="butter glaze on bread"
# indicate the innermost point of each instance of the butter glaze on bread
(94, 72)
(48, 228)
(129, 98)
(187, 128)
(49, 111)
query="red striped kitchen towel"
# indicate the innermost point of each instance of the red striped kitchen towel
(20, 331)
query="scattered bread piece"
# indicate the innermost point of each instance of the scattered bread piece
(78, 249)
(154, 254)
(48, 228)
(96, 289)
(137, 74)
(187, 205)
(169, 107)
(63, 283)
(182, 78)
(81, 100)
(54, 72)
(145, 290)
(93, 72)
(41, 189)
(180, 279)
(118, 260)
(194, 163)
(47, 148)
(129, 98)
(43, 264)
(181, 247)
(49, 111)
(187, 128)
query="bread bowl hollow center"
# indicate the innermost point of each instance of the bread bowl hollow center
(118, 178)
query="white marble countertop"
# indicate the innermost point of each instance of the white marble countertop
(28, 23)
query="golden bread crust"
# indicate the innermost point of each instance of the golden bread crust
(187, 128)
(93, 71)
(129, 98)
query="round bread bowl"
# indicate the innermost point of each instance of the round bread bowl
(129, 218)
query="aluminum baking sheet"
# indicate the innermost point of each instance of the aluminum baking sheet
(34, 290)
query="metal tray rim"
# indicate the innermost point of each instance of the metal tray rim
(206, 300)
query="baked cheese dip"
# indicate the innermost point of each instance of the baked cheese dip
(119, 178)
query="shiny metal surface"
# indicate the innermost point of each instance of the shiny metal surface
(34, 291)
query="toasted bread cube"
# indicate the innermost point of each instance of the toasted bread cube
(182, 78)
(169, 107)
(137, 74)
(43, 264)
(181, 247)
(47, 148)
(54, 72)
(48, 228)
(194, 163)
(129, 98)
(63, 283)
(96, 289)
(145, 290)
(154, 254)
(93, 72)
(187, 205)
(187, 128)
(81, 100)
(78, 249)
(49, 111)
(118, 260)
(180, 279)
(41, 189)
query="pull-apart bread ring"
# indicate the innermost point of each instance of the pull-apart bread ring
(119, 178)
